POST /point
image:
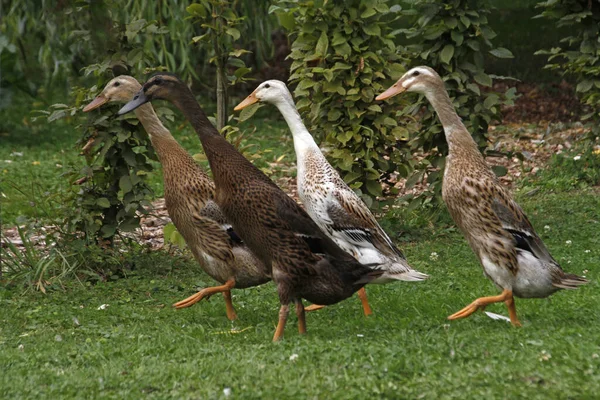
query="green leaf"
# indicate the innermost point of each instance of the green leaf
(501, 52)
(491, 101)
(369, 12)
(373, 187)
(447, 53)
(584, 86)
(499, 170)
(483, 79)
(234, 33)
(103, 202)
(457, 37)
(197, 10)
(286, 20)
(372, 29)
(249, 111)
(322, 44)
(125, 184)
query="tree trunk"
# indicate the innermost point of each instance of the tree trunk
(221, 96)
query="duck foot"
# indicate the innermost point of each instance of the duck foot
(207, 292)
(506, 296)
(313, 307)
(283, 314)
(362, 295)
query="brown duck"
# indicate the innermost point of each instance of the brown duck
(305, 263)
(511, 253)
(189, 194)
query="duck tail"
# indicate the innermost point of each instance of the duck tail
(401, 271)
(408, 276)
(368, 277)
(570, 281)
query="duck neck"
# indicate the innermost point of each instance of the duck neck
(150, 121)
(162, 140)
(190, 108)
(303, 140)
(457, 135)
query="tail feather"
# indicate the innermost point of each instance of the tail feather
(408, 276)
(570, 281)
(368, 277)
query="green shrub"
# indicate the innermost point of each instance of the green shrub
(577, 56)
(118, 154)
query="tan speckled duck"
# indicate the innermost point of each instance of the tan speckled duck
(305, 263)
(189, 194)
(511, 253)
(338, 211)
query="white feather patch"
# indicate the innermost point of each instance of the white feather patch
(497, 317)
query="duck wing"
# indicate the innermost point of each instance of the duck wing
(352, 219)
(303, 226)
(214, 238)
(515, 222)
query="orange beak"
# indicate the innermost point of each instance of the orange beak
(97, 102)
(251, 99)
(397, 88)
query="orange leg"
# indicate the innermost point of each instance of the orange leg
(301, 317)
(480, 304)
(283, 314)
(362, 295)
(229, 306)
(512, 311)
(206, 293)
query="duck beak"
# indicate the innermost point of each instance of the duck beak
(397, 88)
(97, 102)
(139, 99)
(251, 99)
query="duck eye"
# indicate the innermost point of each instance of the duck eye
(267, 86)
(117, 84)
(416, 73)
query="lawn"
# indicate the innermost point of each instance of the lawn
(122, 339)
(63, 345)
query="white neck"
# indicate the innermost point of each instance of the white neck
(303, 140)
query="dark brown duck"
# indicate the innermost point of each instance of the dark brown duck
(303, 262)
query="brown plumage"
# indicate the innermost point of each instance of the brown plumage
(189, 194)
(511, 253)
(304, 262)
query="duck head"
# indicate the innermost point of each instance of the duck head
(272, 91)
(419, 79)
(160, 86)
(120, 89)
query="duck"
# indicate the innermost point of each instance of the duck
(303, 262)
(189, 198)
(509, 250)
(330, 202)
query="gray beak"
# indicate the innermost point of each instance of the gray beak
(139, 99)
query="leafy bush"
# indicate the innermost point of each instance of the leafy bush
(577, 57)
(343, 55)
(113, 193)
(452, 37)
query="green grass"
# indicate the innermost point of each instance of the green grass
(61, 346)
